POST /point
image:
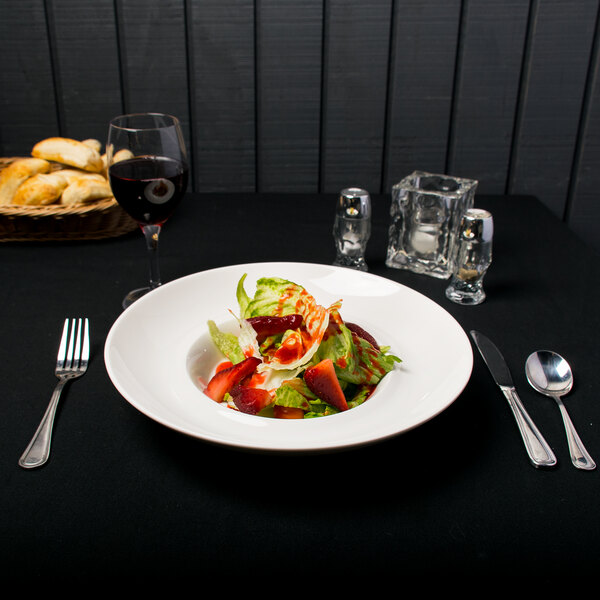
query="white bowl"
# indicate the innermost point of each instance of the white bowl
(153, 348)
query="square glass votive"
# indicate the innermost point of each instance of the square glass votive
(426, 213)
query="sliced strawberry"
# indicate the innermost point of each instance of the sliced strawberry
(265, 326)
(323, 382)
(365, 335)
(224, 365)
(223, 381)
(250, 400)
(287, 412)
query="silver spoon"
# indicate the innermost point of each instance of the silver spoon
(550, 374)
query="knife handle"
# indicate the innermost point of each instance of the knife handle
(537, 448)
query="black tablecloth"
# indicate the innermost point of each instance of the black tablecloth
(124, 498)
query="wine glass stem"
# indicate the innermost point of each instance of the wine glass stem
(151, 233)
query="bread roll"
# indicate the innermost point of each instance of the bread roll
(85, 190)
(92, 143)
(16, 173)
(123, 154)
(69, 152)
(40, 189)
(72, 175)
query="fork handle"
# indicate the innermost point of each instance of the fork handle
(38, 450)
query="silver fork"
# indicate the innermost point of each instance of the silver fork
(71, 362)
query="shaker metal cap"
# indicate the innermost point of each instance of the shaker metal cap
(355, 202)
(477, 223)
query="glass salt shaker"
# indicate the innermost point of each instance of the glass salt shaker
(472, 259)
(352, 228)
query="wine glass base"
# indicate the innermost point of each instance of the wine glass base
(134, 295)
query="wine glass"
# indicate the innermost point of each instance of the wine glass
(148, 172)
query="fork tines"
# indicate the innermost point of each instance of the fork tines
(77, 354)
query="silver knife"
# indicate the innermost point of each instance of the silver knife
(537, 448)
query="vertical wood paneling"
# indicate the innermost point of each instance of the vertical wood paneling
(583, 213)
(560, 46)
(289, 53)
(28, 104)
(279, 95)
(154, 59)
(84, 39)
(489, 71)
(355, 92)
(425, 38)
(222, 83)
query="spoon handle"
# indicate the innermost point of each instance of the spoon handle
(540, 453)
(579, 455)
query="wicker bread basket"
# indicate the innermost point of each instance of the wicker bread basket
(94, 221)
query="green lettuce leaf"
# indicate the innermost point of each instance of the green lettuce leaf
(320, 409)
(360, 394)
(241, 295)
(227, 343)
(373, 364)
(356, 360)
(273, 296)
(338, 345)
(294, 394)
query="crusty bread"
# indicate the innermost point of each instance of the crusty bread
(40, 189)
(34, 181)
(92, 143)
(85, 190)
(72, 175)
(123, 154)
(69, 152)
(16, 173)
(118, 156)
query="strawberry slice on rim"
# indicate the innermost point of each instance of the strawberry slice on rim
(224, 380)
(323, 382)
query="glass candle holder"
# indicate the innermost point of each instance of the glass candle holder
(425, 214)
(472, 259)
(352, 228)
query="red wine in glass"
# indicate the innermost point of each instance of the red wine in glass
(149, 188)
(148, 173)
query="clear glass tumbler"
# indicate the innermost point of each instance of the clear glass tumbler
(352, 228)
(426, 212)
(472, 259)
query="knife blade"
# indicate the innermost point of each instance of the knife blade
(539, 452)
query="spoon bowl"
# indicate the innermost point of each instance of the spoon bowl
(550, 374)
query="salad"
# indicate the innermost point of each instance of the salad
(293, 358)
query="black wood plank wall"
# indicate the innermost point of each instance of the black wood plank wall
(316, 95)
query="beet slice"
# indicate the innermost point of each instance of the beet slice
(266, 326)
(365, 335)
